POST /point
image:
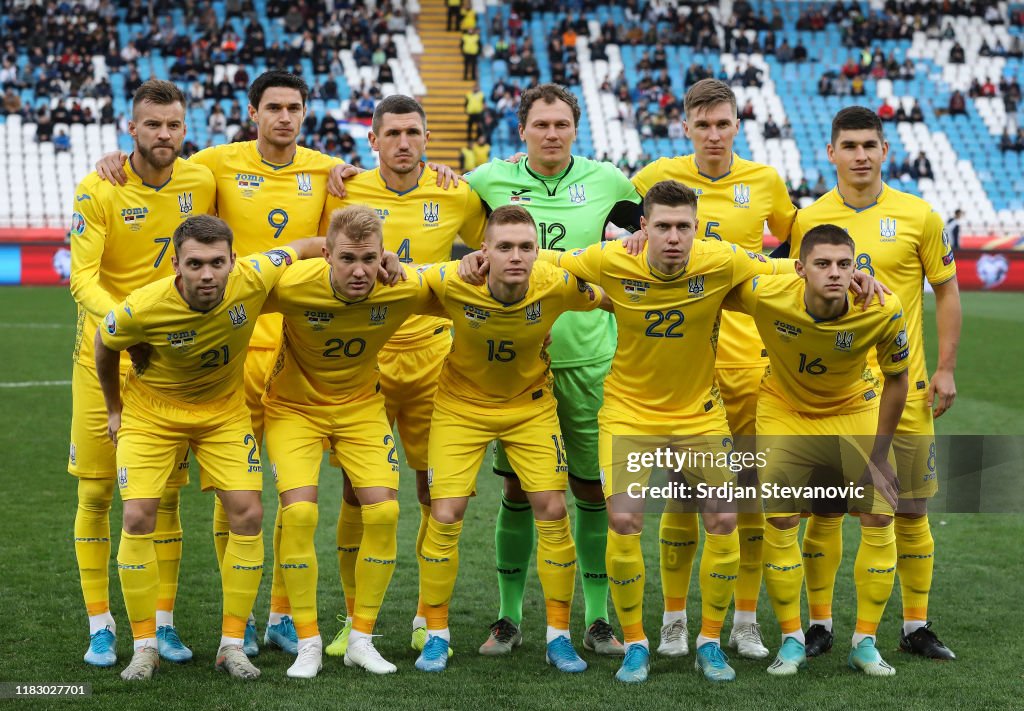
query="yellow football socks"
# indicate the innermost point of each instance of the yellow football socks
(92, 542)
(677, 540)
(350, 536)
(625, 562)
(376, 562)
(719, 567)
(822, 552)
(299, 565)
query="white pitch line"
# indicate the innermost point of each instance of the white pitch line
(37, 325)
(36, 384)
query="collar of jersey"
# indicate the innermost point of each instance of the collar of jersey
(878, 199)
(392, 190)
(157, 188)
(545, 179)
(662, 276)
(827, 320)
(702, 174)
(274, 166)
(506, 304)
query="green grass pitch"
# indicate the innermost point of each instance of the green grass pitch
(43, 633)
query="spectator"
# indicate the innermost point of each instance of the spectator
(470, 53)
(747, 112)
(916, 113)
(953, 230)
(474, 107)
(857, 86)
(907, 70)
(771, 129)
(956, 54)
(481, 150)
(957, 104)
(820, 188)
(906, 169)
(216, 124)
(44, 125)
(467, 19)
(675, 126)
(901, 114)
(886, 112)
(784, 53)
(61, 142)
(787, 131)
(12, 101)
(454, 15)
(922, 167)
(799, 52)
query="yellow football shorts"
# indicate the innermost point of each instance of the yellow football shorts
(460, 432)
(154, 429)
(408, 379)
(359, 435)
(914, 447)
(739, 388)
(92, 454)
(806, 450)
(627, 449)
(258, 364)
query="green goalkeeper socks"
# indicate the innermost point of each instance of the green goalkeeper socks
(513, 546)
(591, 536)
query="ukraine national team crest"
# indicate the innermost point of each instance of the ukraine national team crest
(741, 195)
(122, 477)
(248, 183)
(319, 320)
(134, 217)
(185, 203)
(887, 229)
(533, 313)
(695, 285)
(844, 341)
(431, 213)
(577, 194)
(475, 315)
(377, 315)
(237, 315)
(305, 183)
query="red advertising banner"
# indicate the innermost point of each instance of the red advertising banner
(978, 270)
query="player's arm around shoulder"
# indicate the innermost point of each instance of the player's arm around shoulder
(587, 263)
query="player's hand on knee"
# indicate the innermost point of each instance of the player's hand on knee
(473, 268)
(866, 287)
(390, 271)
(337, 177)
(111, 167)
(113, 426)
(140, 354)
(881, 475)
(941, 392)
(446, 177)
(634, 243)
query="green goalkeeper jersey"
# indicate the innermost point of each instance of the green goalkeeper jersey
(571, 210)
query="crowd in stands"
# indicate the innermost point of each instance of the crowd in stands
(804, 192)
(907, 169)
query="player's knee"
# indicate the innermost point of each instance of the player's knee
(512, 489)
(548, 507)
(170, 501)
(870, 520)
(448, 510)
(139, 519)
(383, 513)
(301, 514)
(625, 524)
(95, 495)
(245, 513)
(720, 524)
(589, 491)
(784, 523)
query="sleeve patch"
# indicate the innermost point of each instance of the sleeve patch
(110, 323)
(902, 355)
(947, 259)
(758, 257)
(278, 257)
(901, 339)
(77, 224)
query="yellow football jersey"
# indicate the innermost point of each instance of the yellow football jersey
(818, 367)
(268, 205)
(329, 350)
(900, 241)
(498, 349)
(664, 366)
(197, 356)
(420, 225)
(734, 208)
(121, 239)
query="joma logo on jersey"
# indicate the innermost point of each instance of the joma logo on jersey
(185, 203)
(741, 195)
(533, 312)
(844, 341)
(319, 320)
(635, 289)
(237, 315)
(431, 213)
(887, 229)
(577, 195)
(695, 285)
(134, 217)
(787, 330)
(378, 314)
(181, 339)
(248, 183)
(475, 315)
(305, 183)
